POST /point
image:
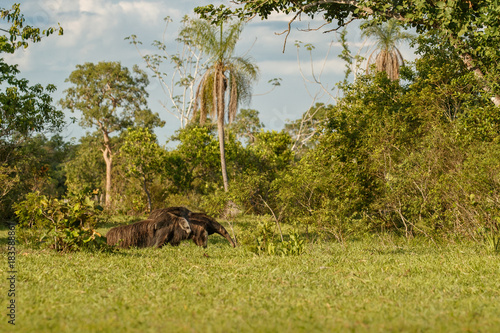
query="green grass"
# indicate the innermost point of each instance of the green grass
(383, 284)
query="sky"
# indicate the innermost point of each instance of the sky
(95, 30)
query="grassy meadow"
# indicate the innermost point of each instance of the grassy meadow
(378, 284)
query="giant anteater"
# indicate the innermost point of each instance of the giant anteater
(203, 225)
(168, 228)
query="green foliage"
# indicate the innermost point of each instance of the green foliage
(272, 149)
(265, 241)
(142, 157)
(198, 155)
(306, 131)
(34, 165)
(110, 97)
(85, 168)
(25, 109)
(63, 224)
(262, 163)
(417, 159)
(195, 163)
(177, 172)
(225, 73)
(491, 236)
(215, 203)
(326, 195)
(469, 26)
(191, 201)
(129, 197)
(246, 125)
(42, 163)
(347, 56)
(141, 151)
(248, 191)
(9, 178)
(19, 34)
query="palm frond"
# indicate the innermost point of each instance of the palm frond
(229, 40)
(387, 38)
(204, 104)
(242, 74)
(226, 74)
(201, 34)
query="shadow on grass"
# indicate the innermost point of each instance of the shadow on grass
(4, 232)
(216, 239)
(4, 241)
(390, 251)
(4, 225)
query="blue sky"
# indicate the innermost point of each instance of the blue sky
(94, 30)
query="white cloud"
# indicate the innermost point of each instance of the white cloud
(148, 12)
(279, 17)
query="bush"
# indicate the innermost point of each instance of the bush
(191, 201)
(413, 159)
(215, 203)
(62, 224)
(264, 241)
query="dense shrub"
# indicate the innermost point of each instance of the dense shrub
(420, 158)
(264, 240)
(62, 224)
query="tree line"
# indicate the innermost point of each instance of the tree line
(408, 148)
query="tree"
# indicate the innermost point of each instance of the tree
(247, 125)
(42, 164)
(226, 73)
(143, 157)
(111, 99)
(260, 163)
(387, 37)
(85, 166)
(25, 110)
(198, 150)
(273, 150)
(471, 27)
(305, 131)
(184, 74)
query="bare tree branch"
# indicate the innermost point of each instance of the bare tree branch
(274, 215)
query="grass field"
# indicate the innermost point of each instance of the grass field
(379, 284)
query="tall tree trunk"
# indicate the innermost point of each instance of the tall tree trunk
(220, 129)
(147, 193)
(108, 159)
(220, 85)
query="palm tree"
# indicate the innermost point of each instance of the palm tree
(225, 75)
(387, 38)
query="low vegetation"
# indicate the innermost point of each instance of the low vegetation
(371, 284)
